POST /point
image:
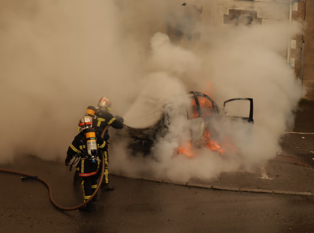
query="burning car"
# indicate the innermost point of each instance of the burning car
(203, 109)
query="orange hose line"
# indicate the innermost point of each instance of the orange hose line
(50, 190)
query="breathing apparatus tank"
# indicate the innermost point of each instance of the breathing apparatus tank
(90, 111)
(91, 144)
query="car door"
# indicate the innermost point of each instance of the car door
(248, 117)
(244, 112)
(203, 107)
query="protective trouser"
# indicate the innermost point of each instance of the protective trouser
(89, 185)
(88, 171)
(106, 172)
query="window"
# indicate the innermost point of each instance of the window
(243, 17)
(183, 24)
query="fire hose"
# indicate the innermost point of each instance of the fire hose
(50, 190)
(49, 187)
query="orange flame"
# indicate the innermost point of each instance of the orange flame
(212, 144)
(205, 105)
(187, 150)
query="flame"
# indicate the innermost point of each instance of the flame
(206, 106)
(187, 149)
(212, 144)
(209, 91)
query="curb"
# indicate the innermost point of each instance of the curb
(220, 188)
(301, 133)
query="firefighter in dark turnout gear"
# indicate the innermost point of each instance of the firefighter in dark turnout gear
(101, 119)
(87, 144)
(104, 118)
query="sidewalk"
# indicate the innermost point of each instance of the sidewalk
(300, 142)
(291, 173)
(276, 178)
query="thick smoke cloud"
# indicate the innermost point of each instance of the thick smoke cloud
(60, 56)
(57, 57)
(237, 62)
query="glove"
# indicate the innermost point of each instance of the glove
(67, 162)
(119, 118)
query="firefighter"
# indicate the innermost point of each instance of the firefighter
(101, 121)
(87, 145)
(90, 112)
(102, 117)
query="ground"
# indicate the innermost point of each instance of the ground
(147, 206)
(301, 143)
(142, 206)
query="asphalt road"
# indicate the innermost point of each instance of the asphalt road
(143, 206)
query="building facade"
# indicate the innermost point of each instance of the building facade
(308, 57)
(180, 19)
(298, 54)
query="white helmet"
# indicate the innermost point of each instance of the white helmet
(104, 103)
(85, 122)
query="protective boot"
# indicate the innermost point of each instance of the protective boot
(107, 187)
(87, 207)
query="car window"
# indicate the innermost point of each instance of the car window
(205, 105)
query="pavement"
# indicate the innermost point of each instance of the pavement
(142, 206)
(290, 173)
(275, 198)
(299, 142)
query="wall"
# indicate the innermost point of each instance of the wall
(218, 13)
(263, 12)
(308, 74)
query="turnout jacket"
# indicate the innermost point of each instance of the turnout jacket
(104, 118)
(79, 144)
(85, 167)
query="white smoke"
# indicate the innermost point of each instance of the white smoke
(58, 57)
(243, 62)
